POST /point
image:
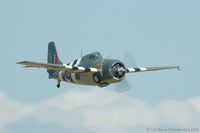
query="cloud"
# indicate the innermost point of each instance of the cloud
(12, 111)
(102, 111)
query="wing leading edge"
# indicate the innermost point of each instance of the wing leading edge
(64, 67)
(145, 69)
(57, 67)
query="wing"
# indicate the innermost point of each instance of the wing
(145, 69)
(57, 67)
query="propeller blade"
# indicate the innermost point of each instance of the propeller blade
(129, 60)
(123, 86)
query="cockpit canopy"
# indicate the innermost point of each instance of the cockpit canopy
(94, 55)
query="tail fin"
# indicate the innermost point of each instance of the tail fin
(52, 56)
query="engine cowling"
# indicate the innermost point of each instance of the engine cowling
(118, 71)
(113, 71)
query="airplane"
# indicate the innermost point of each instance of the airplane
(91, 69)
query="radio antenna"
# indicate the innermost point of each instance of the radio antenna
(81, 52)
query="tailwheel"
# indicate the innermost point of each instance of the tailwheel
(58, 85)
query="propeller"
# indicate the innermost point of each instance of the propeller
(129, 61)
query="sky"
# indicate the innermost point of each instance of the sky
(156, 32)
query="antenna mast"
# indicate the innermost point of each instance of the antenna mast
(81, 52)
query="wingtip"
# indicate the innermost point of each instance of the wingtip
(21, 62)
(179, 68)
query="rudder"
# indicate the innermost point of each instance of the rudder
(52, 57)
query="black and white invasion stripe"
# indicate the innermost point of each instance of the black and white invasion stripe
(80, 69)
(75, 62)
(136, 69)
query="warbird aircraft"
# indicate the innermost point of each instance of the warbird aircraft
(90, 69)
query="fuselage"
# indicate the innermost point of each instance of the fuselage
(102, 78)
